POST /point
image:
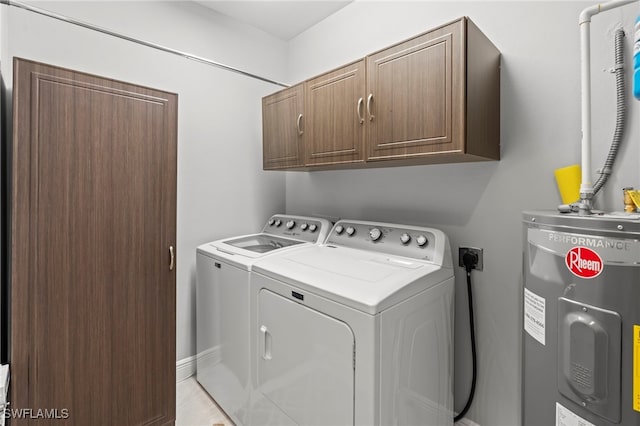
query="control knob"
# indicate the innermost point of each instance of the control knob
(422, 240)
(304, 226)
(339, 229)
(291, 224)
(313, 227)
(375, 234)
(278, 222)
(405, 238)
(271, 222)
(351, 231)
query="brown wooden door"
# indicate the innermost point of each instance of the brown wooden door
(417, 96)
(335, 116)
(93, 216)
(283, 128)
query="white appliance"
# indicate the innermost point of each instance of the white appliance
(222, 304)
(358, 330)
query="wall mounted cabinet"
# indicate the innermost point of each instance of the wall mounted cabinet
(335, 116)
(282, 129)
(415, 93)
(434, 98)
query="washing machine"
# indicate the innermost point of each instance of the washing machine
(358, 330)
(222, 304)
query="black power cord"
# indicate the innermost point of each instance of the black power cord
(470, 261)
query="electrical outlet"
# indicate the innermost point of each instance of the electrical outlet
(472, 250)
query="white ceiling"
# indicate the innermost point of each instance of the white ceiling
(282, 19)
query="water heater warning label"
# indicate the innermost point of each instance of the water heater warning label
(566, 417)
(636, 367)
(534, 319)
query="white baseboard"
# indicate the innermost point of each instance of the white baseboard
(185, 368)
(466, 422)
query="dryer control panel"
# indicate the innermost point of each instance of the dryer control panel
(400, 240)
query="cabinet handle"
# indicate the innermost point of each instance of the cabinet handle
(300, 131)
(360, 104)
(172, 258)
(369, 99)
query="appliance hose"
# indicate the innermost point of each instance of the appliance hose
(474, 356)
(620, 113)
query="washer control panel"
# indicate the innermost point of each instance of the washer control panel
(302, 228)
(402, 240)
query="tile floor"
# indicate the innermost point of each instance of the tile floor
(194, 406)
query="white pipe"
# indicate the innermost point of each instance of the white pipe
(586, 186)
(585, 15)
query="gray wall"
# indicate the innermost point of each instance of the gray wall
(222, 189)
(480, 204)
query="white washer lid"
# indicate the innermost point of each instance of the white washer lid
(231, 249)
(367, 281)
(241, 257)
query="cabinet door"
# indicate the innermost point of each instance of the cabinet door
(93, 219)
(335, 111)
(415, 96)
(282, 128)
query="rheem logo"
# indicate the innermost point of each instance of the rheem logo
(584, 262)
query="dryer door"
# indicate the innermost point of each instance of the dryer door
(305, 362)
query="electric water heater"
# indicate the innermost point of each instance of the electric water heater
(581, 320)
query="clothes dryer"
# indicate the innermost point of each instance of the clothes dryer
(222, 304)
(358, 330)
